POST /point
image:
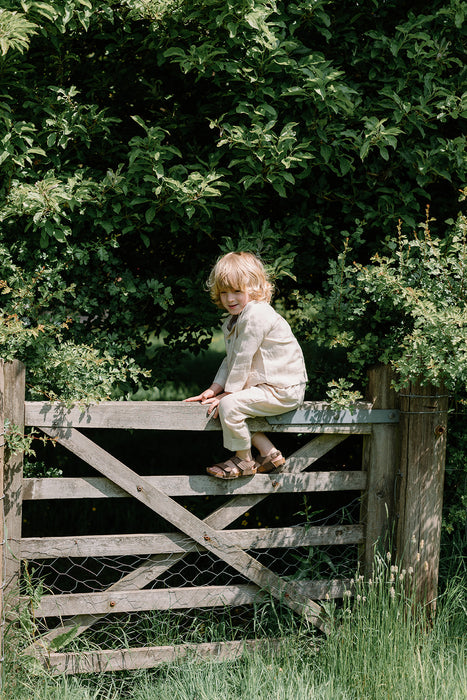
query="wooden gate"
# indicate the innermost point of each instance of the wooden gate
(377, 421)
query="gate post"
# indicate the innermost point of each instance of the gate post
(12, 396)
(423, 422)
(380, 460)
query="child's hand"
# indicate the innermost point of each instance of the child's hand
(213, 390)
(214, 403)
(211, 396)
(207, 394)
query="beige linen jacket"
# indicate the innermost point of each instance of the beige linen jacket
(261, 349)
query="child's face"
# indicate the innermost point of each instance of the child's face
(234, 300)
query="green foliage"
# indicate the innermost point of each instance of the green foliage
(16, 441)
(15, 31)
(406, 308)
(141, 139)
(341, 394)
(72, 372)
(33, 326)
(38, 468)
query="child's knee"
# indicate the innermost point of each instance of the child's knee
(227, 406)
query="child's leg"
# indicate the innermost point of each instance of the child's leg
(261, 400)
(234, 409)
(263, 444)
(236, 438)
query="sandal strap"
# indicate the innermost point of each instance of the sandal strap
(243, 464)
(230, 464)
(270, 463)
(235, 463)
(270, 458)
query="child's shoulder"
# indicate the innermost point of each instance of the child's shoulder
(258, 308)
(260, 311)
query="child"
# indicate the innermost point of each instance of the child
(263, 373)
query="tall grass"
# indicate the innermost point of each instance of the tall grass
(384, 645)
(381, 646)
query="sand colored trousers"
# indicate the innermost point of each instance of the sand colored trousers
(256, 401)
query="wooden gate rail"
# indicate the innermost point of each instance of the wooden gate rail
(313, 417)
(376, 420)
(175, 543)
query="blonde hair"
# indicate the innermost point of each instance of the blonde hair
(243, 271)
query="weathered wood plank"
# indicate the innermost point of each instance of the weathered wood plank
(103, 603)
(380, 459)
(151, 657)
(356, 415)
(197, 485)
(14, 383)
(423, 452)
(153, 599)
(258, 425)
(176, 543)
(157, 565)
(213, 540)
(179, 415)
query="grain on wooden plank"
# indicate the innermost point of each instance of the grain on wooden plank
(2, 499)
(380, 460)
(175, 543)
(14, 383)
(169, 415)
(36, 489)
(139, 600)
(423, 453)
(103, 603)
(150, 657)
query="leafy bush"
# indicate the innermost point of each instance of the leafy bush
(407, 308)
(138, 140)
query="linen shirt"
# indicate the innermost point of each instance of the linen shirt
(261, 349)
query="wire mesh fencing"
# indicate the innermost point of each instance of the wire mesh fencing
(82, 603)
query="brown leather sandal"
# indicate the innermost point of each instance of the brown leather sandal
(233, 468)
(270, 462)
